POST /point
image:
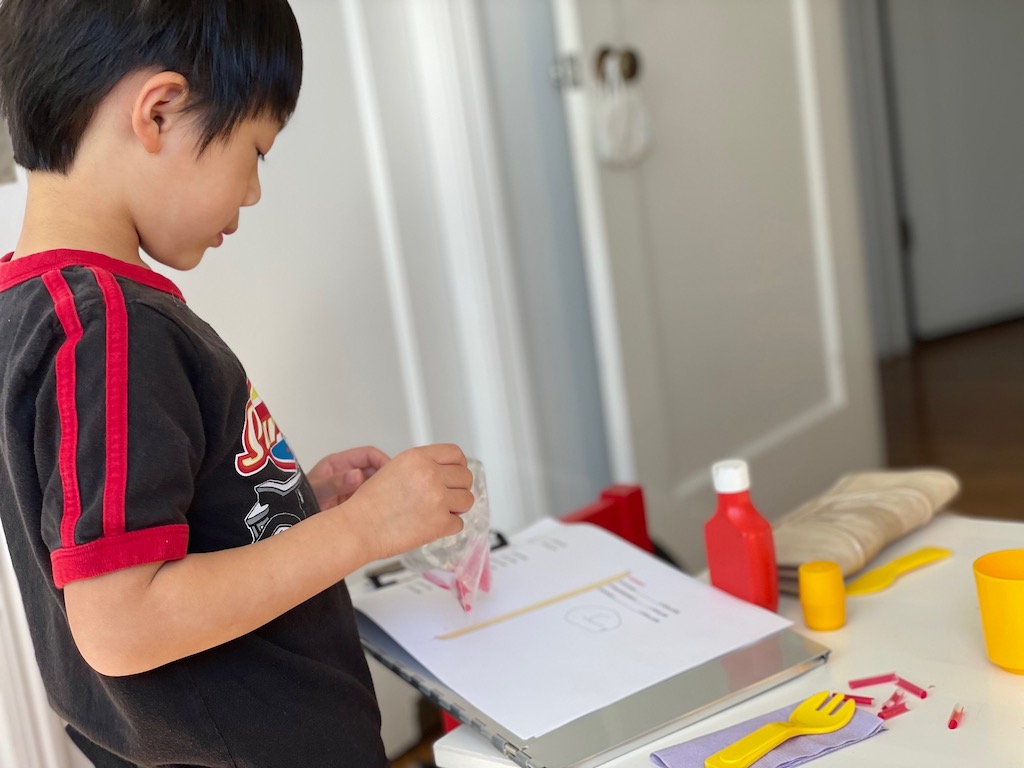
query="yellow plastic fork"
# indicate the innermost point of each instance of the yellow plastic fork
(809, 717)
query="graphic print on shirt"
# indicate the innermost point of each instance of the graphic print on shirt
(263, 444)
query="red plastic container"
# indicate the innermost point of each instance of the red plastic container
(740, 547)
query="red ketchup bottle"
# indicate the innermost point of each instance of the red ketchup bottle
(740, 547)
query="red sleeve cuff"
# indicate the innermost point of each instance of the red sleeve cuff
(112, 553)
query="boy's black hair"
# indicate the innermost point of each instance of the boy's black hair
(60, 58)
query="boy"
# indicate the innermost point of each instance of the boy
(183, 587)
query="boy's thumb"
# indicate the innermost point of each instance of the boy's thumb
(353, 479)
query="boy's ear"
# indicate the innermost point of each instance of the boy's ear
(159, 107)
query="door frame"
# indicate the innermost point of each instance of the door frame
(596, 254)
(877, 152)
(458, 137)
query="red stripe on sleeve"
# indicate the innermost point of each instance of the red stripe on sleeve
(116, 480)
(112, 553)
(67, 406)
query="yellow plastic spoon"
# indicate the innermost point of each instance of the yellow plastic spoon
(879, 578)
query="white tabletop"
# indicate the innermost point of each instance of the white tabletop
(925, 627)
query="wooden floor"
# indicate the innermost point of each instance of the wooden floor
(958, 403)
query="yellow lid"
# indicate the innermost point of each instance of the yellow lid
(822, 595)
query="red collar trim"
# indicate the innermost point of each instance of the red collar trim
(14, 272)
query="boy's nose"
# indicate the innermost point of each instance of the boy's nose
(255, 191)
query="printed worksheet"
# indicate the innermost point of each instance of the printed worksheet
(576, 619)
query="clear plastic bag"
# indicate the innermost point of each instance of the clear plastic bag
(462, 562)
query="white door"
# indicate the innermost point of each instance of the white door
(726, 267)
(956, 71)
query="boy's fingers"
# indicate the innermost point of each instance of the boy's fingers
(367, 457)
(461, 501)
(375, 459)
(446, 453)
(456, 476)
(457, 524)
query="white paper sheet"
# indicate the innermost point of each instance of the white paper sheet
(576, 619)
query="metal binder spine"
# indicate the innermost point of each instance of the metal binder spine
(414, 680)
(509, 750)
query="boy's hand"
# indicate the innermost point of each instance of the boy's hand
(413, 499)
(336, 477)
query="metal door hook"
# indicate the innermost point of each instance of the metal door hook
(629, 62)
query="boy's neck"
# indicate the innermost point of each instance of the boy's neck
(77, 213)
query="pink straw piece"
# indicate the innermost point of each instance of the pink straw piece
(877, 680)
(896, 709)
(865, 701)
(896, 698)
(908, 686)
(956, 716)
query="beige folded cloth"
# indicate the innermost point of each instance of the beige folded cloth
(853, 520)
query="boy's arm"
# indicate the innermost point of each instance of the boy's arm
(139, 618)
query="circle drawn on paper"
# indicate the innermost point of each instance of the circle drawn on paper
(594, 618)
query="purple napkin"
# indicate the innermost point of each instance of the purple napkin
(795, 751)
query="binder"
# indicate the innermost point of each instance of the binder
(636, 720)
(615, 729)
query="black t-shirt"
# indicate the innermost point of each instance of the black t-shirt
(131, 434)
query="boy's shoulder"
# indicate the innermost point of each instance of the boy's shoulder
(76, 294)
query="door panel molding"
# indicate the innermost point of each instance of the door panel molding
(596, 248)
(406, 337)
(822, 252)
(821, 217)
(461, 140)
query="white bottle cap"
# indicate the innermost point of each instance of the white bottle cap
(731, 476)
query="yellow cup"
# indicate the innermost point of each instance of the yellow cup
(822, 595)
(999, 577)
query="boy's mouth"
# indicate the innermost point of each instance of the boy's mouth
(224, 233)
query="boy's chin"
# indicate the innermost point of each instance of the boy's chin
(182, 261)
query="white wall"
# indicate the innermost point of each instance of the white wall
(12, 206)
(7, 173)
